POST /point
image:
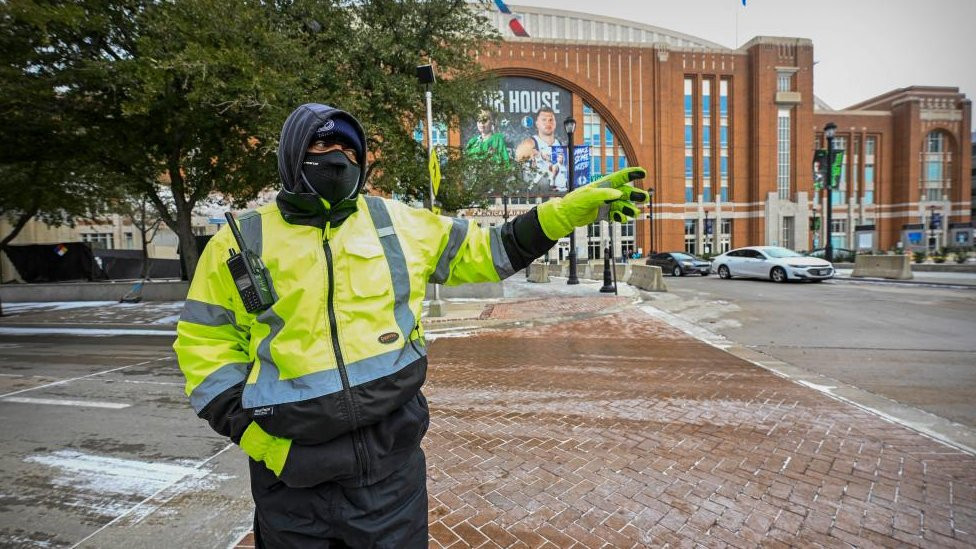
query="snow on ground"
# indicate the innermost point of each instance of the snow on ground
(30, 306)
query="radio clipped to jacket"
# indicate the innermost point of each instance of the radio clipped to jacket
(248, 272)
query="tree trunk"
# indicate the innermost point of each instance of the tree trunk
(18, 226)
(188, 244)
(144, 271)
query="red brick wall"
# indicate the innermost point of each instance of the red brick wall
(638, 91)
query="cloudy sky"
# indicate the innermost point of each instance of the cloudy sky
(863, 48)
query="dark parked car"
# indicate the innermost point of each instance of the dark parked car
(679, 263)
(841, 255)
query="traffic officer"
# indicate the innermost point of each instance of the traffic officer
(322, 389)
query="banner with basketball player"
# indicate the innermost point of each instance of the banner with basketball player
(523, 122)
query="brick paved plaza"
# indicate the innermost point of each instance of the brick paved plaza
(620, 431)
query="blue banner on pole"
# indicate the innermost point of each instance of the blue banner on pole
(581, 160)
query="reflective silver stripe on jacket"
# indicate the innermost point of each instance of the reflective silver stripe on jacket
(217, 382)
(499, 255)
(459, 231)
(397, 263)
(208, 314)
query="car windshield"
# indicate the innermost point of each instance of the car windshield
(681, 257)
(780, 252)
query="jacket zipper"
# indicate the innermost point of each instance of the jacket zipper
(362, 455)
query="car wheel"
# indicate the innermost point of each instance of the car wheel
(723, 272)
(778, 274)
(676, 271)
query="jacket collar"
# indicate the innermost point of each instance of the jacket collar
(308, 209)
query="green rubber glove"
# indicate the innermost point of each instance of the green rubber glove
(261, 446)
(611, 197)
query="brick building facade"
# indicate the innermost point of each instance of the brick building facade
(728, 135)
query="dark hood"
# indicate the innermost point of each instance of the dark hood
(297, 203)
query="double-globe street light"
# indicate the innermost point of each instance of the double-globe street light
(570, 126)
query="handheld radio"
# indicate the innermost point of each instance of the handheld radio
(248, 272)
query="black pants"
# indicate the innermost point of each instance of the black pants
(391, 513)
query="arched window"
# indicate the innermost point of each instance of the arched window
(936, 161)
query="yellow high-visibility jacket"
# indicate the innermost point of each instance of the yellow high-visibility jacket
(340, 353)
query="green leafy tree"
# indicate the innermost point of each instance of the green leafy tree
(391, 38)
(47, 167)
(171, 93)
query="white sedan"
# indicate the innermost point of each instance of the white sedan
(774, 262)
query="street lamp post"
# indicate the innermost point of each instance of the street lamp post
(650, 220)
(932, 226)
(425, 74)
(570, 126)
(829, 131)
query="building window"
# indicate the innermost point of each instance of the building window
(440, 134)
(129, 241)
(723, 140)
(691, 236)
(935, 166)
(689, 140)
(594, 249)
(723, 97)
(783, 154)
(593, 229)
(838, 233)
(706, 144)
(99, 241)
(870, 145)
(627, 229)
(787, 236)
(706, 98)
(784, 81)
(725, 236)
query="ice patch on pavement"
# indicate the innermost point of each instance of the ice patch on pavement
(822, 388)
(462, 331)
(167, 320)
(109, 485)
(26, 306)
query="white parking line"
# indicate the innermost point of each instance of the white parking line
(63, 381)
(56, 402)
(92, 332)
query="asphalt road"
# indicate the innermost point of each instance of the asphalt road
(104, 420)
(914, 344)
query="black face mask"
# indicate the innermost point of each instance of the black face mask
(331, 175)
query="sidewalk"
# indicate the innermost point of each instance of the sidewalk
(615, 429)
(562, 417)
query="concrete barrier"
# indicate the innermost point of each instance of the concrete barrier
(594, 269)
(647, 277)
(538, 272)
(481, 290)
(896, 267)
(162, 290)
(559, 269)
(623, 271)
